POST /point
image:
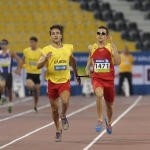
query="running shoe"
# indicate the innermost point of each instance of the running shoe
(58, 136)
(65, 123)
(9, 109)
(108, 126)
(98, 127)
(35, 110)
(30, 92)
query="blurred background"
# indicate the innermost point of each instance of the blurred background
(127, 20)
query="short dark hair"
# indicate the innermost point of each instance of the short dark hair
(4, 40)
(60, 28)
(33, 38)
(103, 27)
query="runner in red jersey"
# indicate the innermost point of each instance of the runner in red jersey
(102, 56)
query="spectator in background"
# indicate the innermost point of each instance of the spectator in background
(125, 70)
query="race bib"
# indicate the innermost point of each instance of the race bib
(62, 67)
(5, 62)
(102, 65)
(32, 63)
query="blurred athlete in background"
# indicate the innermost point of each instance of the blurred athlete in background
(6, 57)
(31, 55)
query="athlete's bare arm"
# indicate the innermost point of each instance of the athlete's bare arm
(89, 62)
(115, 52)
(22, 62)
(74, 66)
(14, 55)
(43, 59)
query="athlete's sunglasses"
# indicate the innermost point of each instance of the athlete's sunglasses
(101, 33)
(3, 43)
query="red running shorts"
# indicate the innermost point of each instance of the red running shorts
(107, 86)
(54, 90)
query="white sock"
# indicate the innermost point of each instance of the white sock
(3, 96)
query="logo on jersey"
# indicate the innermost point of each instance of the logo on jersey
(60, 61)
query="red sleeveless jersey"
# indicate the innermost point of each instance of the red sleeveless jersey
(103, 62)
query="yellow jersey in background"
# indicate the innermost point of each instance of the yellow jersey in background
(31, 59)
(126, 63)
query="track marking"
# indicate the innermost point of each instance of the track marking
(122, 115)
(69, 115)
(23, 113)
(18, 101)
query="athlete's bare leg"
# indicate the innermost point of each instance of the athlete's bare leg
(36, 94)
(64, 96)
(55, 114)
(2, 87)
(2, 91)
(109, 110)
(10, 94)
(10, 100)
(29, 84)
(99, 102)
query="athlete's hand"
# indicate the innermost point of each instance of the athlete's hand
(110, 37)
(87, 71)
(48, 56)
(17, 71)
(113, 46)
(78, 80)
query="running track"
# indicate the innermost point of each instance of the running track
(24, 130)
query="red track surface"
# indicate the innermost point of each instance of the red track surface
(130, 133)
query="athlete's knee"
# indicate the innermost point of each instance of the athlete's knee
(65, 101)
(29, 84)
(99, 95)
(55, 108)
(2, 87)
(110, 106)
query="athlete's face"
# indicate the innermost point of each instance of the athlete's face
(125, 50)
(33, 44)
(3, 45)
(101, 35)
(55, 35)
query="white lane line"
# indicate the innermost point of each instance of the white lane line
(18, 101)
(23, 113)
(69, 115)
(122, 115)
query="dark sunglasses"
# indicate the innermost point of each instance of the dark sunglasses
(101, 33)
